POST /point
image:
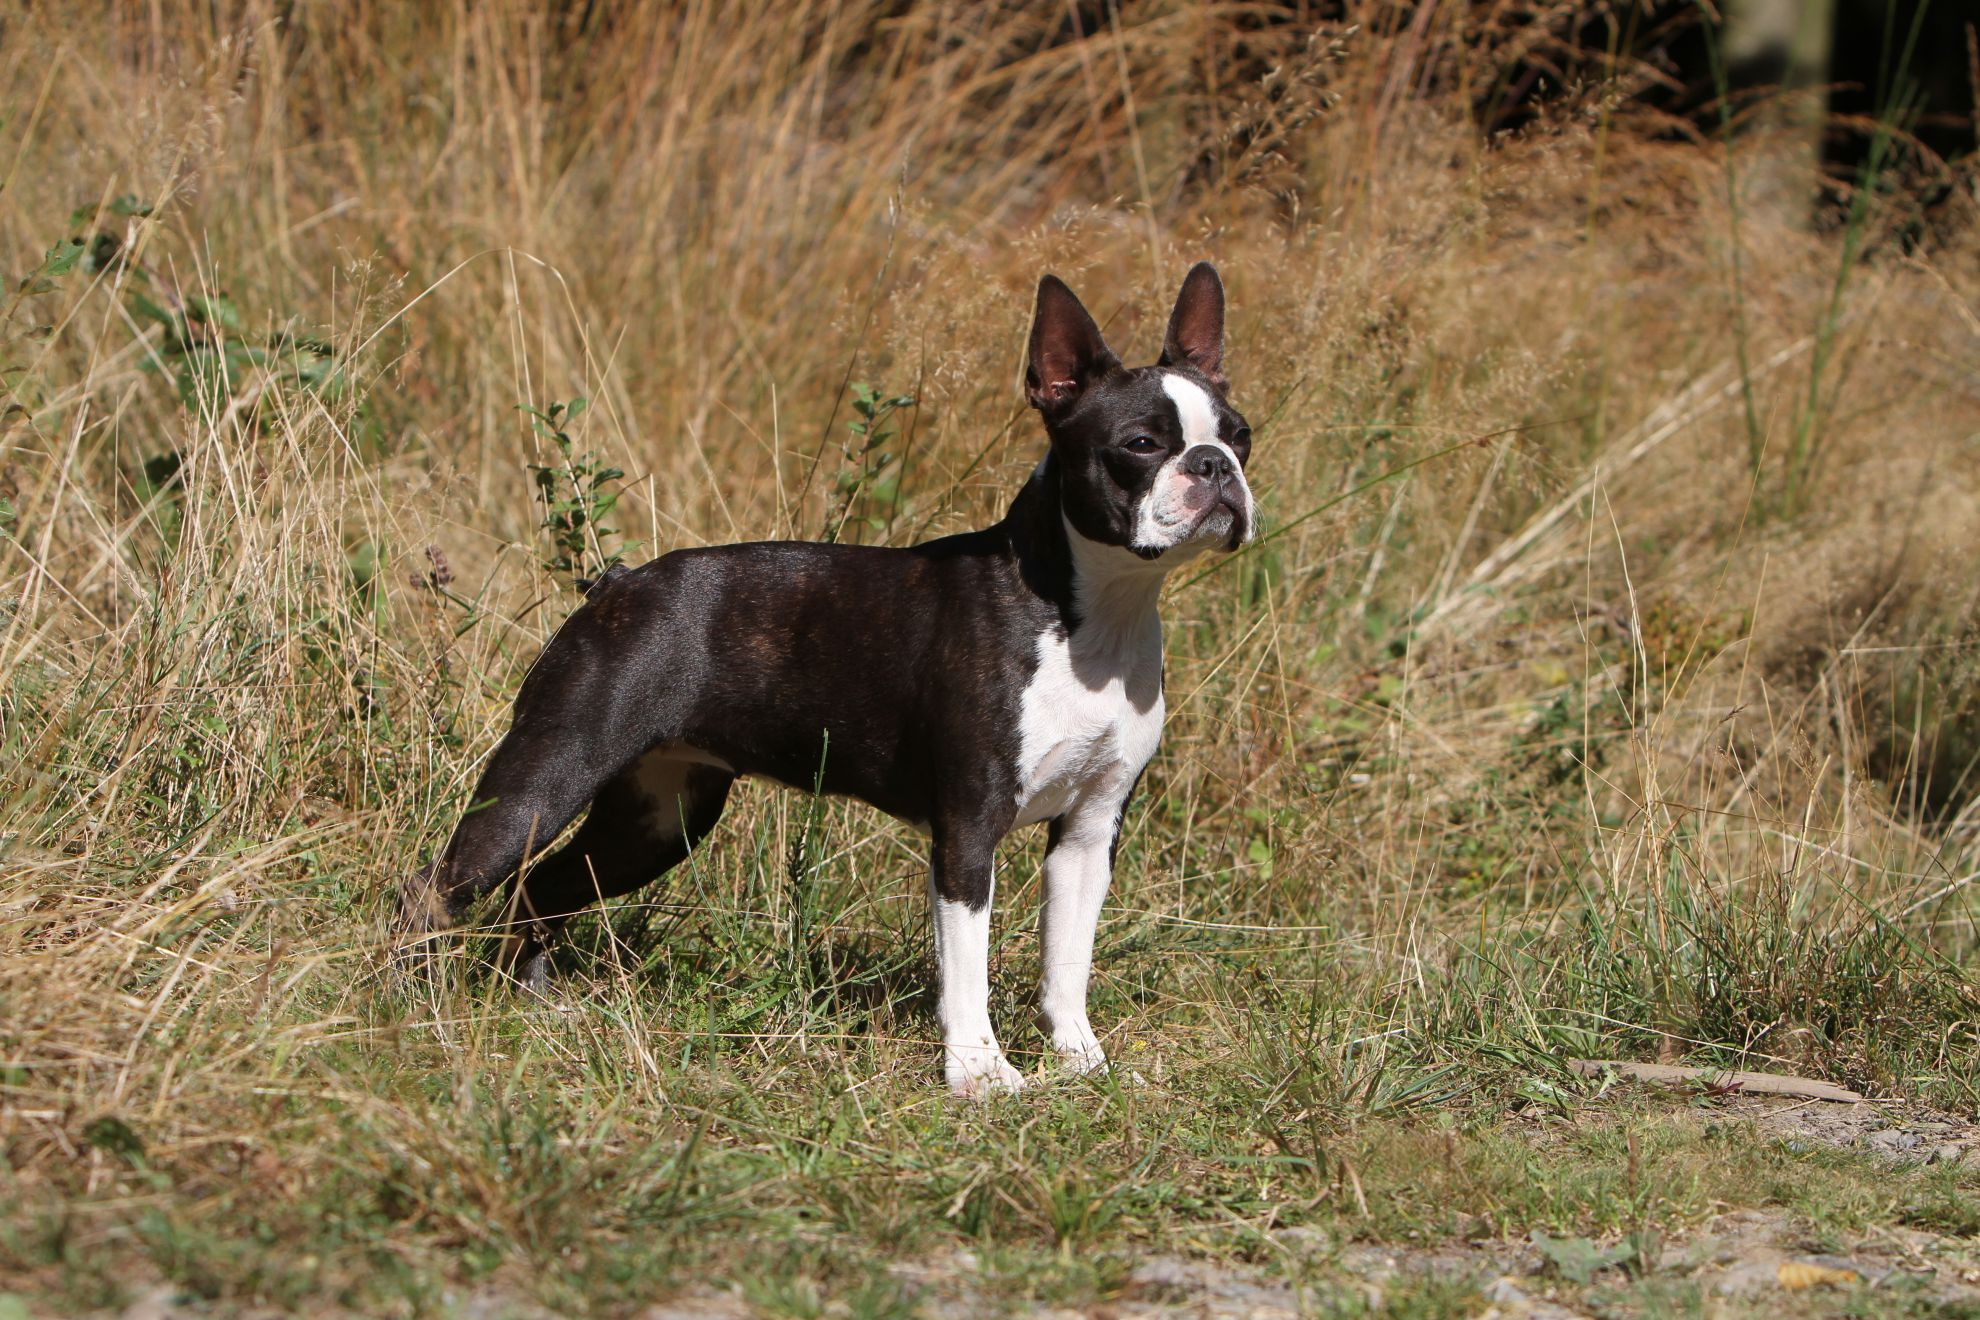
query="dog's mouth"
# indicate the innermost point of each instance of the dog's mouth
(1221, 526)
(1218, 523)
(1223, 522)
(1208, 516)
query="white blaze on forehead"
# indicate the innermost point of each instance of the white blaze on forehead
(1193, 407)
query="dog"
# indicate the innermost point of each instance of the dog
(968, 685)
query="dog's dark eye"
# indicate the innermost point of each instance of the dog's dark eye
(1142, 444)
(1241, 442)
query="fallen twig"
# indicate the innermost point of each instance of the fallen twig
(1752, 1083)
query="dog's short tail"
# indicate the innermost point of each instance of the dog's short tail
(611, 574)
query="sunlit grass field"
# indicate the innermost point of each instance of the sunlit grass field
(1602, 686)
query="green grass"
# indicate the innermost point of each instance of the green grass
(552, 1172)
(690, 1109)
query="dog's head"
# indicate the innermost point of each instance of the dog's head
(1151, 459)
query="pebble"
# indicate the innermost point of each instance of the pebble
(1510, 1301)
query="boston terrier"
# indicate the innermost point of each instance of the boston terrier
(968, 685)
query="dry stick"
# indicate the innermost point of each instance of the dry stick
(852, 362)
(1379, 479)
(1466, 529)
(1133, 119)
(1753, 1083)
(1707, 392)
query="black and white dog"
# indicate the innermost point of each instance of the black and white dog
(969, 685)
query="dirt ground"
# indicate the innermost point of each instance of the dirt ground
(1744, 1262)
(1733, 1266)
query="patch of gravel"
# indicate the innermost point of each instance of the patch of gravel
(1163, 1285)
(1740, 1254)
(1508, 1299)
(1157, 1284)
(1909, 1135)
(1735, 1260)
(699, 1304)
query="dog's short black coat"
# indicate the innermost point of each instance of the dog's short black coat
(674, 652)
(890, 675)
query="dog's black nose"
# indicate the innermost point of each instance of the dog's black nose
(1209, 462)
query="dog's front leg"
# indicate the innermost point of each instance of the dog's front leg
(1079, 865)
(960, 883)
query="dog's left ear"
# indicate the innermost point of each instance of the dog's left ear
(1196, 327)
(1067, 350)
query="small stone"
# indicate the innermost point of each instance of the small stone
(1305, 1241)
(701, 1304)
(158, 1303)
(1749, 1275)
(495, 1304)
(1163, 1274)
(1512, 1302)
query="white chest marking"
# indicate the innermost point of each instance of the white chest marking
(1080, 742)
(1091, 716)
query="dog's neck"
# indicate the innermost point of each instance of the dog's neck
(1106, 595)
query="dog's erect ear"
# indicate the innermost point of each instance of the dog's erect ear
(1196, 327)
(1067, 352)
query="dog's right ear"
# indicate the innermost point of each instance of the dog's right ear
(1196, 327)
(1067, 352)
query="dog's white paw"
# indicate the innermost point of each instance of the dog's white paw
(977, 1073)
(1079, 1052)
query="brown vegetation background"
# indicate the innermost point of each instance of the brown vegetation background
(1604, 686)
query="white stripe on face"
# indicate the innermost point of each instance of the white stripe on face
(1193, 408)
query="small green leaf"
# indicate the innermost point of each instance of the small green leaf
(1580, 1260)
(150, 310)
(218, 310)
(113, 1136)
(62, 258)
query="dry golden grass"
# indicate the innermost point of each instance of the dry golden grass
(1623, 717)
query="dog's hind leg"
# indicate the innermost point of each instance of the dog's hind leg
(518, 809)
(545, 771)
(642, 824)
(597, 699)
